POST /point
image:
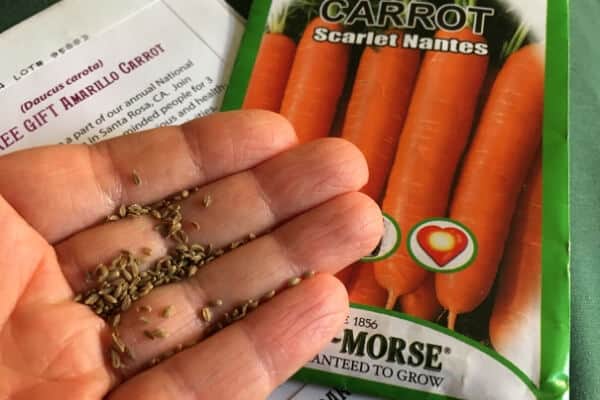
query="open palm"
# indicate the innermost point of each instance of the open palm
(300, 201)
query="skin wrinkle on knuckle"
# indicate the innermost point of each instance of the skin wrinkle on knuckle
(236, 141)
(272, 182)
(194, 293)
(279, 348)
(70, 198)
(230, 156)
(264, 358)
(180, 388)
(113, 191)
(296, 267)
(194, 151)
(251, 143)
(69, 262)
(265, 199)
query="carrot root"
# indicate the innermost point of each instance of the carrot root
(391, 300)
(451, 320)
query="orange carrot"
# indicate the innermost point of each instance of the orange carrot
(316, 83)
(494, 171)
(364, 288)
(377, 108)
(270, 73)
(433, 139)
(422, 303)
(488, 83)
(515, 320)
(346, 275)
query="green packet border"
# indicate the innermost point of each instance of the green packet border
(555, 213)
(555, 338)
(244, 62)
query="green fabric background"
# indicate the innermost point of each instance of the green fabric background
(584, 128)
(585, 181)
(14, 11)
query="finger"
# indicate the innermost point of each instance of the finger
(324, 239)
(251, 201)
(249, 359)
(82, 184)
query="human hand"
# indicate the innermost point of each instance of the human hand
(300, 201)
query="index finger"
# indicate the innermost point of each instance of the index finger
(60, 190)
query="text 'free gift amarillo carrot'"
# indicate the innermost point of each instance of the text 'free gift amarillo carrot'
(316, 83)
(495, 168)
(270, 73)
(432, 142)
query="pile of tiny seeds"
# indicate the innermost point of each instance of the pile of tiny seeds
(120, 283)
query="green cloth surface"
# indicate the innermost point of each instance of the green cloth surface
(584, 131)
(584, 128)
(14, 11)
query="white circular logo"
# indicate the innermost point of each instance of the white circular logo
(442, 245)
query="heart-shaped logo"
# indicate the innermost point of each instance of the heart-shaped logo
(442, 244)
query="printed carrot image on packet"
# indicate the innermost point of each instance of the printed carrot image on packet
(456, 107)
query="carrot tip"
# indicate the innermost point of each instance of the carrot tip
(391, 300)
(451, 320)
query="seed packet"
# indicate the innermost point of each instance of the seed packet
(459, 108)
